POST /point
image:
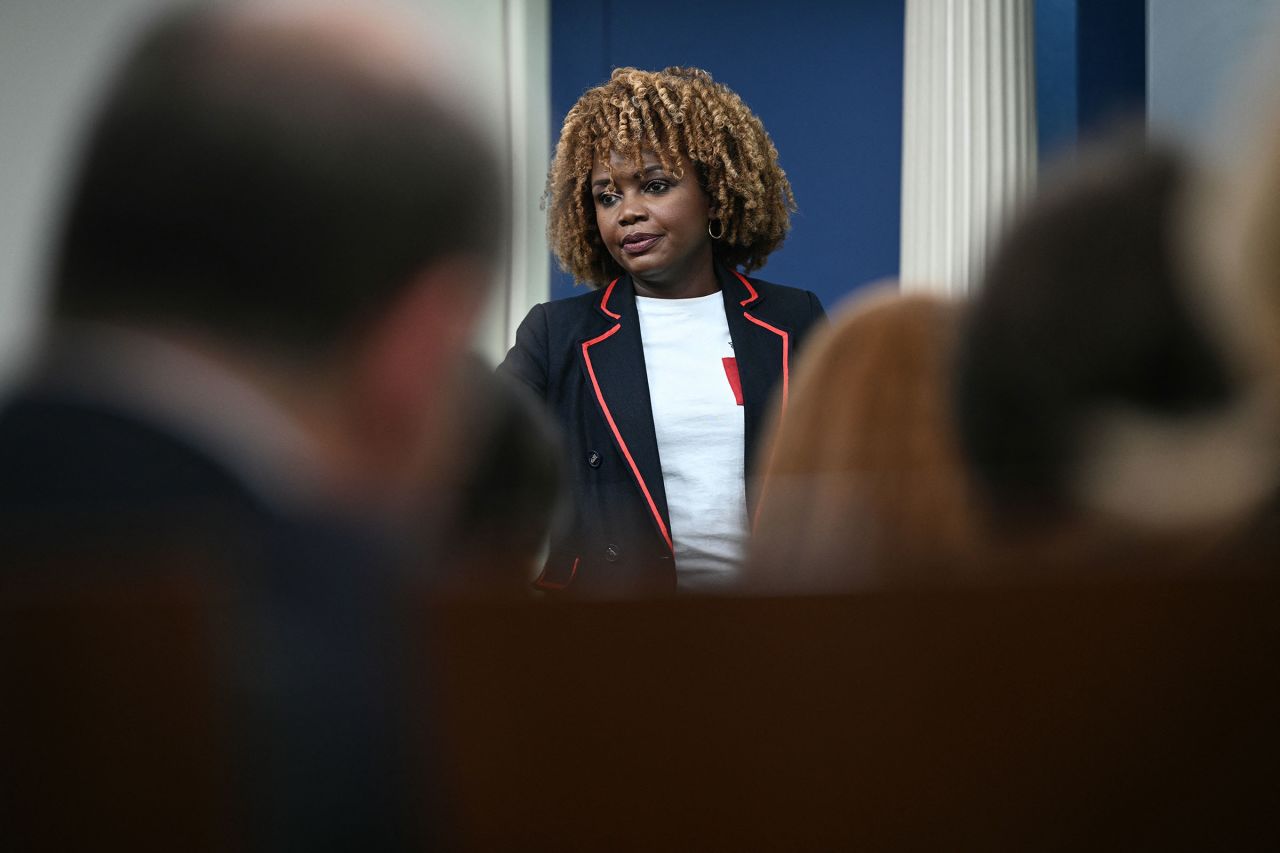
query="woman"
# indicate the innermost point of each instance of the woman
(663, 186)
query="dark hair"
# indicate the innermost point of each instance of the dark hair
(1084, 307)
(511, 488)
(265, 189)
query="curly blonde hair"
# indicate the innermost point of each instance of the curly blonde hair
(674, 113)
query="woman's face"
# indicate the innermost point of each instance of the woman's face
(654, 224)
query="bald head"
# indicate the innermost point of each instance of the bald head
(275, 171)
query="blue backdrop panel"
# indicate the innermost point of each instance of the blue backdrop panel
(1057, 103)
(1113, 63)
(826, 79)
(1091, 70)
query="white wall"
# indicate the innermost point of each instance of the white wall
(1202, 56)
(52, 52)
(503, 47)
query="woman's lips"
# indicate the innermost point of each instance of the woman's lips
(640, 244)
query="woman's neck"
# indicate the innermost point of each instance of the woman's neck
(703, 282)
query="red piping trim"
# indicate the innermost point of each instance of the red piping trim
(542, 583)
(786, 383)
(786, 346)
(753, 297)
(608, 416)
(604, 303)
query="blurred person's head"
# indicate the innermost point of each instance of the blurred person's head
(509, 482)
(863, 483)
(281, 185)
(1237, 227)
(1094, 389)
(1238, 223)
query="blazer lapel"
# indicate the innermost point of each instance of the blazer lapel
(614, 368)
(762, 350)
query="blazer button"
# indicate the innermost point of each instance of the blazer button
(611, 553)
(593, 459)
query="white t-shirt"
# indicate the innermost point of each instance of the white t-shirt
(698, 417)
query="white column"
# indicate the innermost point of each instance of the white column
(504, 49)
(528, 28)
(52, 55)
(968, 135)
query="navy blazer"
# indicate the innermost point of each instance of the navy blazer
(300, 605)
(584, 356)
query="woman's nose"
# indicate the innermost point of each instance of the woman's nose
(633, 209)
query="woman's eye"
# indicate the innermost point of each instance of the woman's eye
(656, 186)
(607, 199)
